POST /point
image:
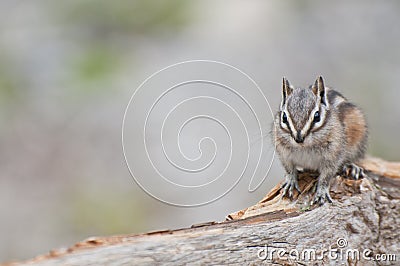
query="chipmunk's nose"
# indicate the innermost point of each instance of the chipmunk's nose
(299, 138)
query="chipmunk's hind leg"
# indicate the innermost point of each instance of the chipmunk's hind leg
(353, 171)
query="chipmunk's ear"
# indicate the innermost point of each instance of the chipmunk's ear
(287, 89)
(319, 90)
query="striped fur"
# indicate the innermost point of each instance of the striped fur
(318, 129)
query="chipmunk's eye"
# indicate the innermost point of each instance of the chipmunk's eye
(284, 118)
(317, 117)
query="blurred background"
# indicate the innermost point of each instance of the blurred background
(68, 69)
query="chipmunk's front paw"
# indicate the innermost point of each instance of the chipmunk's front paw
(353, 171)
(321, 196)
(289, 185)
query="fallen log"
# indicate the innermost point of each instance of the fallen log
(361, 227)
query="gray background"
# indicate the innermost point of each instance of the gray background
(68, 69)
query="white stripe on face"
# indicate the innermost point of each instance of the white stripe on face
(310, 121)
(291, 127)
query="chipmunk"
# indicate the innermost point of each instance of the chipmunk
(317, 129)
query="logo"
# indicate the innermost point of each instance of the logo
(193, 130)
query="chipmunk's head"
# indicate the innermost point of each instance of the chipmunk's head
(303, 110)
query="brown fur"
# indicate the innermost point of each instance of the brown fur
(333, 142)
(355, 127)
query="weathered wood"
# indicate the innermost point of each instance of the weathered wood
(365, 216)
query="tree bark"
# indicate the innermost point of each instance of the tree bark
(359, 227)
